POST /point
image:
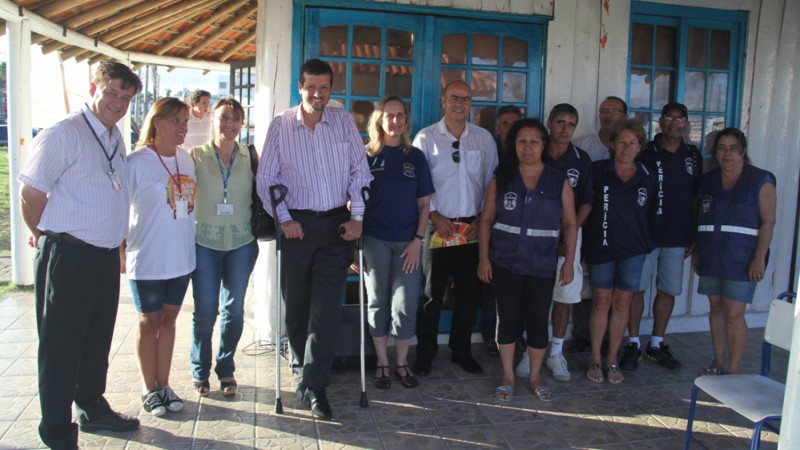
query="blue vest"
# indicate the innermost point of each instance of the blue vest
(526, 229)
(728, 223)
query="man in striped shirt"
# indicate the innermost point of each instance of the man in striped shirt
(75, 202)
(317, 153)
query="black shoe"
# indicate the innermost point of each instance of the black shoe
(663, 356)
(491, 348)
(113, 421)
(631, 355)
(318, 402)
(468, 364)
(422, 368)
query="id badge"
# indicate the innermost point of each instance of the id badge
(224, 209)
(115, 180)
(181, 209)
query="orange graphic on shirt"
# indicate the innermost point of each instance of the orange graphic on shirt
(187, 191)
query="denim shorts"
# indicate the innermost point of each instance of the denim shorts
(623, 274)
(669, 275)
(740, 291)
(151, 295)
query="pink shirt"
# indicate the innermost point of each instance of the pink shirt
(320, 167)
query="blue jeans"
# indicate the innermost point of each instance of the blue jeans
(219, 284)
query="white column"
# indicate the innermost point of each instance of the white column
(272, 90)
(19, 138)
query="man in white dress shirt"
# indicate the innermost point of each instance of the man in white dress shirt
(612, 110)
(462, 158)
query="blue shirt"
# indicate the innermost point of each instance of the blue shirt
(676, 176)
(577, 165)
(399, 179)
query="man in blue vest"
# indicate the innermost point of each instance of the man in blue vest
(677, 166)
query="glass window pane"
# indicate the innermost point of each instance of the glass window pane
(714, 124)
(666, 42)
(643, 117)
(339, 77)
(366, 79)
(483, 116)
(399, 45)
(361, 110)
(664, 87)
(484, 85)
(514, 87)
(449, 75)
(640, 88)
(695, 90)
(454, 49)
(515, 53)
(333, 41)
(336, 103)
(720, 49)
(398, 80)
(696, 48)
(717, 97)
(366, 42)
(695, 128)
(485, 49)
(642, 44)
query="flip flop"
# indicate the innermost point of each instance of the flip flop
(202, 388)
(595, 373)
(615, 374)
(228, 387)
(504, 393)
(544, 393)
(710, 371)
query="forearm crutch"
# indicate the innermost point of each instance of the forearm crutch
(361, 319)
(277, 194)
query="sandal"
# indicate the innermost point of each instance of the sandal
(408, 380)
(504, 393)
(705, 371)
(544, 393)
(595, 373)
(383, 381)
(615, 374)
(202, 388)
(228, 387)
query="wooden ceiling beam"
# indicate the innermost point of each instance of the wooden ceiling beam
(53, 46)
(161, 19)
(102, 11)
(215, 16)
(236, 47)
(72, 52)
(223, 29)
(54, 8)
(130, 39)
(128, 14)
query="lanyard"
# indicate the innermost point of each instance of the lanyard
(225, 176)
(105, 153)
(177, 169)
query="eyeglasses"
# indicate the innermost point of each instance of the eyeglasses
(678, 119)
(456, 154)
(610, 111)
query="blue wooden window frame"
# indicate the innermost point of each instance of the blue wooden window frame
(682, 18)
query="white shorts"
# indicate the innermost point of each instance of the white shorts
(570, 293)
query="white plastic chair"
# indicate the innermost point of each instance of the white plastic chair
(756, 397)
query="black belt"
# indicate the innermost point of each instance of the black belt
(462, 219)
(69, 239)
(311, 212)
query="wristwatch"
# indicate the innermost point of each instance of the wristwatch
(358, 218)
(421, 238)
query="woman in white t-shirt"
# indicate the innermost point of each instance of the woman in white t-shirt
(200, 127)
(159, 251)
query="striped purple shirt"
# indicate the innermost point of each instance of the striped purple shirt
(320, 167)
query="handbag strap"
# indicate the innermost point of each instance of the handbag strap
(253, 159)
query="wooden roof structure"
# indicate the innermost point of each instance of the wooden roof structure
(219, 31)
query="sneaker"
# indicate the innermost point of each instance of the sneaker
(524, 367)
(152, 403)
(171, 399)
(631, 355)
(558, 365)
(662, 356)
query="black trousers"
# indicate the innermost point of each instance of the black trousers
(523, 302)
(77, 294)
(313, 272)
(438, 265)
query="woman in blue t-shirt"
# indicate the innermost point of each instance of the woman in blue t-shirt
(394, 225)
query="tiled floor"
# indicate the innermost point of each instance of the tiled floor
(450, 408)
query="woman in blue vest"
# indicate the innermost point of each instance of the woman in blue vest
(394, 226)
(526, 205)
(736, 217)
(618, 240)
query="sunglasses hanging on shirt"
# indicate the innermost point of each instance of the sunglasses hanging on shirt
(456, 154)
